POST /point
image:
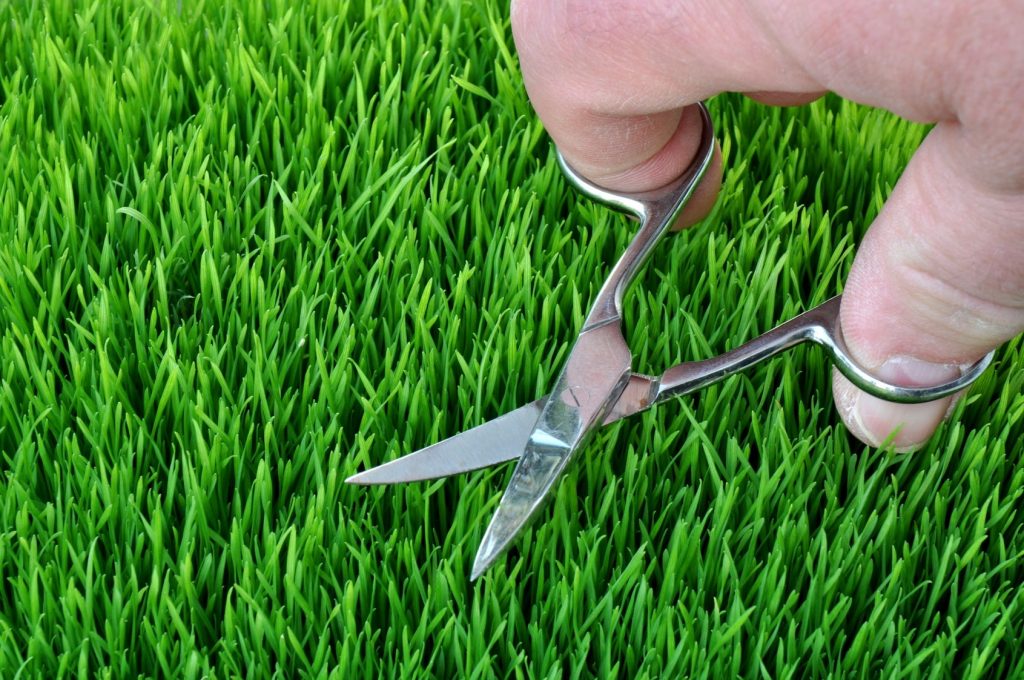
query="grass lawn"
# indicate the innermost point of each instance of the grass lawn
(250, 248)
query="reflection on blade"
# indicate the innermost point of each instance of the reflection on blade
(595, 375)
(538, 469)
(496, 441)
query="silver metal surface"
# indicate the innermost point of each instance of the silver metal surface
(598, 367)
(596, 386)
(820, 326)
(504, 439)
(496, 441)
(595, 374)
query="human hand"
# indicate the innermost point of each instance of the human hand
(939, 279)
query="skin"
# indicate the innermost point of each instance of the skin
(939, 279)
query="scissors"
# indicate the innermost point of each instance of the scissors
(597, 387)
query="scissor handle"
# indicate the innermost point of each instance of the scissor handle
(656, 210)
(820, 326)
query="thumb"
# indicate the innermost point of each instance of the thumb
(936, 284)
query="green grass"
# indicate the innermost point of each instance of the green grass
(248, 249)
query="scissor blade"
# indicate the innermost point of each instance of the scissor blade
(594, 377)
(496, 441)
(536, 473)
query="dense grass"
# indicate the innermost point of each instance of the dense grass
(247, 249)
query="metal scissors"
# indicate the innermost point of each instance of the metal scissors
(597, 387)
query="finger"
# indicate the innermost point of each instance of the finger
(704, 196)
(610, 79)
(680, 147)
(936, 284)
(660, 147)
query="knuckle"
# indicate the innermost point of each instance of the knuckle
(965, 312)
(965, 294)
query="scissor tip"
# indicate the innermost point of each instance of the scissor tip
(491, 548)
(481, 564)
(357, 478)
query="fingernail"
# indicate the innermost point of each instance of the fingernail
(904, 426)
